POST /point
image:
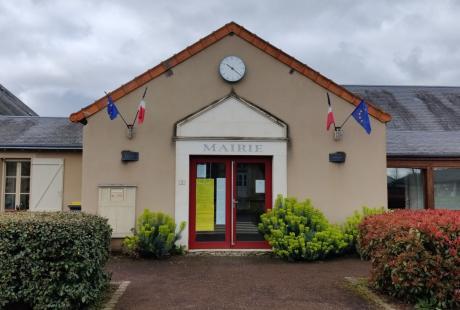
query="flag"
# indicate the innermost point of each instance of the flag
(330, 116)
(361, 115)
(111, 108)
(141, 112)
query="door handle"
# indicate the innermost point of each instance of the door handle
(235, 201)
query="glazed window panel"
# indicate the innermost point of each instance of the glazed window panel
(17, 185)
(25, 168)
(11, 167)
(446, 188)
(10, 201)
(405, 188)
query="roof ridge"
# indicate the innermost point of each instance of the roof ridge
(228, 29)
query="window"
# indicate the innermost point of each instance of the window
(405, 188)
(447, 188)
(17, 185)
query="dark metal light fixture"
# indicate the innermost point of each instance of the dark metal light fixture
(127, 156)
(337, 157)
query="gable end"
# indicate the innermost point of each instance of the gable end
(231, 28)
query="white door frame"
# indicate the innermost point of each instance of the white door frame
(276, 148)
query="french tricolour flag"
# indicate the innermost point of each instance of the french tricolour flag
(141, 112)
(330, 116)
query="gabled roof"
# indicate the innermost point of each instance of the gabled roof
(12, 105)
(43, 133)
(231, 28)
(425, 119)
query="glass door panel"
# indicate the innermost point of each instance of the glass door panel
(210, 202)
(250, 200)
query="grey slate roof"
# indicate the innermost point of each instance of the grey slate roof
(33, 132)
(425, 119)
(11, 105)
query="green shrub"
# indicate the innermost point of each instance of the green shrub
(155, 236)
(297, 231)
(53, 260)
(351, 225)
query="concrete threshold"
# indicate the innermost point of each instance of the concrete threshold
(229, 252)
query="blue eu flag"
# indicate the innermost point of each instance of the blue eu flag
(361, 115)
(111, 108)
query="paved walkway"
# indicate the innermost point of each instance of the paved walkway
(261, 282)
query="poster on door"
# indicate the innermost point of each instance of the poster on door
(204, 205)
(260, 186)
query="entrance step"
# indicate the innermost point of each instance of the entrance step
(228, 252)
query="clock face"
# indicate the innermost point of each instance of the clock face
(232, 68)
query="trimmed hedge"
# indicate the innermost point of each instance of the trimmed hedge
(53, 260)
(297, 231)
(415, 255)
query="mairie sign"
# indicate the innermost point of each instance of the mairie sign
(232, 148)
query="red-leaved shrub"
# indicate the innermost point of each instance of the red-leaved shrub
(415, 255)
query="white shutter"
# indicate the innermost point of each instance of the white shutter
(46, 184)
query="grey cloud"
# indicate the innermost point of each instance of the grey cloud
(59, 56)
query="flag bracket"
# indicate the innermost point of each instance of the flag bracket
(338, 133)
(130, 131)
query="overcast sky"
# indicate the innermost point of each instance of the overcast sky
(58, 56)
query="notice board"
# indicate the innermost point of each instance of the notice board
(204, 205)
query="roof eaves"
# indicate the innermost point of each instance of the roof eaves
(422, 156)
(41, 146)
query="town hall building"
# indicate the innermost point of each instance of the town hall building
(230, 123)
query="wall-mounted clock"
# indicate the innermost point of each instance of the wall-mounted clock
(232, 69)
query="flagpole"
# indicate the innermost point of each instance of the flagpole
(137, 113)
(348, 117)
(121, 115)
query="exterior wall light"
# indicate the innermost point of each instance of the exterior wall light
(337, 157)
(127, 156)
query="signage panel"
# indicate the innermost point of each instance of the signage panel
(204, 205)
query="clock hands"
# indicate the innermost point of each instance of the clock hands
(234, 69)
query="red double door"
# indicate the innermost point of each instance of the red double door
(227, 197)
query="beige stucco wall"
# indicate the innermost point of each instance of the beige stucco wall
(335, 189)
(72, 170)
